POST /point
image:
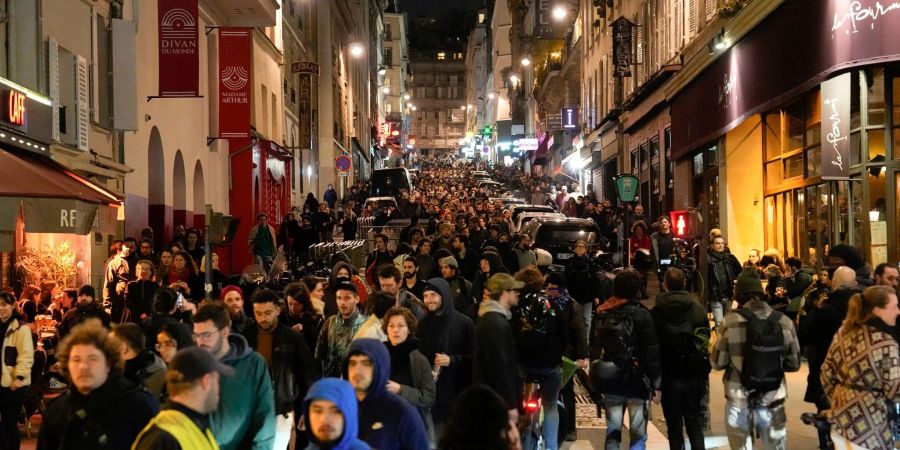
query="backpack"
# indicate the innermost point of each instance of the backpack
(538, 340)
(763, 351)
(614, 334)
(687, 347)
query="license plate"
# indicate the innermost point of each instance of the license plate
(564, 255)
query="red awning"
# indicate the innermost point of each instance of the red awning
(26, 176)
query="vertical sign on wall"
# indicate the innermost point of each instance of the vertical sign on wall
(179, 56)
(836, 128)
(306, 71)
(543, 19)
(622, 43)
(234, 82)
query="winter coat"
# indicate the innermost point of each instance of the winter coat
(79, 314)
(795, 285)
(412, 371)
(109, 417)
(18, 348)
(677, 307)
(495, 361)
(723, 269)
(646, 347)
(148, 370)
(290, 366)
(340, 393)
(583, 286)
(818, 329)
(371, 329)
(526, 257)
(731, 345)
(245, 417)
(450, 332)
(139, 298)
(860, 376)
(462, 291)
(468, 265)
(540, 349)
(334, 342)
(386, 421)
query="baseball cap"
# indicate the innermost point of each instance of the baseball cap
(194, 362)
(503, 282)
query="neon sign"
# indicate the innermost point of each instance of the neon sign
(15, 108)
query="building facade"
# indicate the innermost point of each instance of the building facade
(439, 98)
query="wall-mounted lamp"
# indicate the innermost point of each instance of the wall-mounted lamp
(717, 43)
(406, 97)
(356, 49)
(560, 12)
(525, 62)
(382, 70)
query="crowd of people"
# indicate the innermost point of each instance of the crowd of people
(429, 342)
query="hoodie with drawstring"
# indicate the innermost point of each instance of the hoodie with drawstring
(341, 393)
(386, 420)
(450, 332)
(245, 417)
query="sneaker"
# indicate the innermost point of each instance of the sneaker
(54, 383)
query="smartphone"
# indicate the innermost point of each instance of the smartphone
(180, 302)
(665, 261)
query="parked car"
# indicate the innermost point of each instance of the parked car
(381, 202)
(558, 235)
(507, 201)
(525, 217)
(517, 209)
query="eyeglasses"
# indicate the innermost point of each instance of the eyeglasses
(204, 336)
(167, 344)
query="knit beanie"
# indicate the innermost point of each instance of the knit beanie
(748, 282)
(88, 290)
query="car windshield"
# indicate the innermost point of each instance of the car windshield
(558, 235)
(519, 211)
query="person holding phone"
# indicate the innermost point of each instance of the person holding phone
(662, 243)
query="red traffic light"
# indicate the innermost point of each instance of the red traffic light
(685, 224)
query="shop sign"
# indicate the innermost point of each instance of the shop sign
(627, 187)
(569, 118)
(836, 128)
(27, 114)
(304, 101)
(543, 19)
(234, 82)
(528, 144)
(15, 107)
(179, 56)
(622, 47)
(305, 67)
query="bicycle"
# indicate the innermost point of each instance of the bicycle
(823, 428)
(531, 428)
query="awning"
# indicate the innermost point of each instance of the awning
(539, 157)
(50, 198)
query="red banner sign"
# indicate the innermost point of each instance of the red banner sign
(234, 82)
(179, 54)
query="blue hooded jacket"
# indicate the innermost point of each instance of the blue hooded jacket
(386, 420)
(341, 394)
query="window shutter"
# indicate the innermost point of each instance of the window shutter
(692, 18)
(640, 48)
(662, 30)
(710, 10)
(53, 68)
(82, 100)
(677, 36)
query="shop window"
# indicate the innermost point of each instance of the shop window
(698, 164)
(875, 96)
(773, 135)
(795, 126)
(635, 162)
(858, 219)
(712, 156)
(876, 146)
(654, 147)
(855, 146)
(793, 166)
(843, 210)
(813, 161)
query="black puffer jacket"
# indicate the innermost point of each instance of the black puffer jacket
(646, 347)
(818, 330)
(583, 286)
(723, 270)
(291, 367)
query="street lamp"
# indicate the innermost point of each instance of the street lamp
(405, 96)
(491, 96)
(514, 79)
(382, 70)
(560, 12)
(386, 89)
(356, 49)
(526, 62)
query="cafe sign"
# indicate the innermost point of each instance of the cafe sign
(26, 114)
(836, 128)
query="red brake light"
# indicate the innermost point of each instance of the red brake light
(531, 406)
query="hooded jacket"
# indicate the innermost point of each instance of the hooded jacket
(450, 332)
(386, 421)
(149, 370)
(341, 394)
(330, 299)
(478, 286)
(646, 347)
(677, 307)
(245, 417)
(495, 361)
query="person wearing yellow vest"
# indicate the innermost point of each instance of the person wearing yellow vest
(192, 381)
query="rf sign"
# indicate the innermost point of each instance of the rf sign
(67, 218)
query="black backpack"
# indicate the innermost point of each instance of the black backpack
(686, 347)
(762, 371)
(614, 334)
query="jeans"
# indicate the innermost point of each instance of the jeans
(550, 380)
(11, 402)
(587, 314)
(768, 423)
(720, 309)
(682, 405)
(637, 417)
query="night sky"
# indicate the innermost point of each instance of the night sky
(436, 7)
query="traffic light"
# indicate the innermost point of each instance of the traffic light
(685, 224)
